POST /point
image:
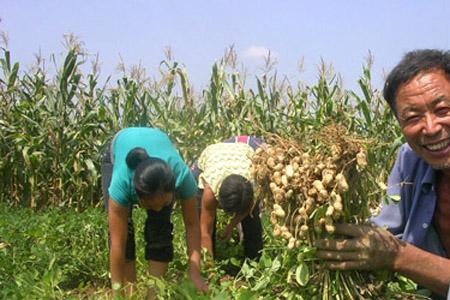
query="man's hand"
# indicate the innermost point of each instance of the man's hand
(199, 282)
(369, 248)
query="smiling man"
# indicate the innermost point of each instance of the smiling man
(417, 240)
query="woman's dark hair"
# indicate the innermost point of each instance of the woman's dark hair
(412, 64)
(236, 194)
(151, 174)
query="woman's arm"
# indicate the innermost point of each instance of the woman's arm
(118, 228)
(191, 222)
(207, 218)
(226, 235)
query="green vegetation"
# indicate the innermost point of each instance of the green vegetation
(60, 253)
(53, 230)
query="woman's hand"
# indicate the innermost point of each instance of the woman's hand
(122, 272)
(199, 282)
(191, 223)
(227, 233)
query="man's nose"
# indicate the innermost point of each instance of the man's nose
(432, 125)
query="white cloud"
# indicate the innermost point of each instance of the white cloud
(257, 53)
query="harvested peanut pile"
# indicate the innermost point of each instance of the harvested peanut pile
(305, 185)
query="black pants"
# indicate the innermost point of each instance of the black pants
(158, 227)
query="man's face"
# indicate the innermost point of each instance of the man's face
(423, 110)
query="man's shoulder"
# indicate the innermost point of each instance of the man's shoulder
(407, 157)
(411, 167)
(406, 151)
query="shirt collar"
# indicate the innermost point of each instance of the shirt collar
(430, 177)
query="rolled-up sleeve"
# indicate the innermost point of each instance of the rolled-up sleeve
(188, 186)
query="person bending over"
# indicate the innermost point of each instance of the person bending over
(223, 171)
(141, 166)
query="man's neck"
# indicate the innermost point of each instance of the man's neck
(445, 173)
(442, 212)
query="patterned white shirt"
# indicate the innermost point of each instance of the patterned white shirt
(220, 160)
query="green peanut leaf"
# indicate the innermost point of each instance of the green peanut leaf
(302, 274)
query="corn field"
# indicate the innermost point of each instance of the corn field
(53, 131)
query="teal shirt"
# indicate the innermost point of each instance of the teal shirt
(157, 144)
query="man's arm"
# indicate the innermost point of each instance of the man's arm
(207, 218)
(372, 248)
(425, 268)
(191, 223)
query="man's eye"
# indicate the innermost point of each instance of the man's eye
(412, 119)
(442, 111)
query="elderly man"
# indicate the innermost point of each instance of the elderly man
(417, 240)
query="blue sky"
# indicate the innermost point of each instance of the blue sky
(339, 32)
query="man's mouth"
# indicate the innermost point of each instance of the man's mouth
(438, 146)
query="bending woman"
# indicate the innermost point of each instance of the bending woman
(223, 172)
(142, 166)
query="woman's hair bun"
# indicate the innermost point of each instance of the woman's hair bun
(135, 157)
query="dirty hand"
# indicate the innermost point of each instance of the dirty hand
(368, 248)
